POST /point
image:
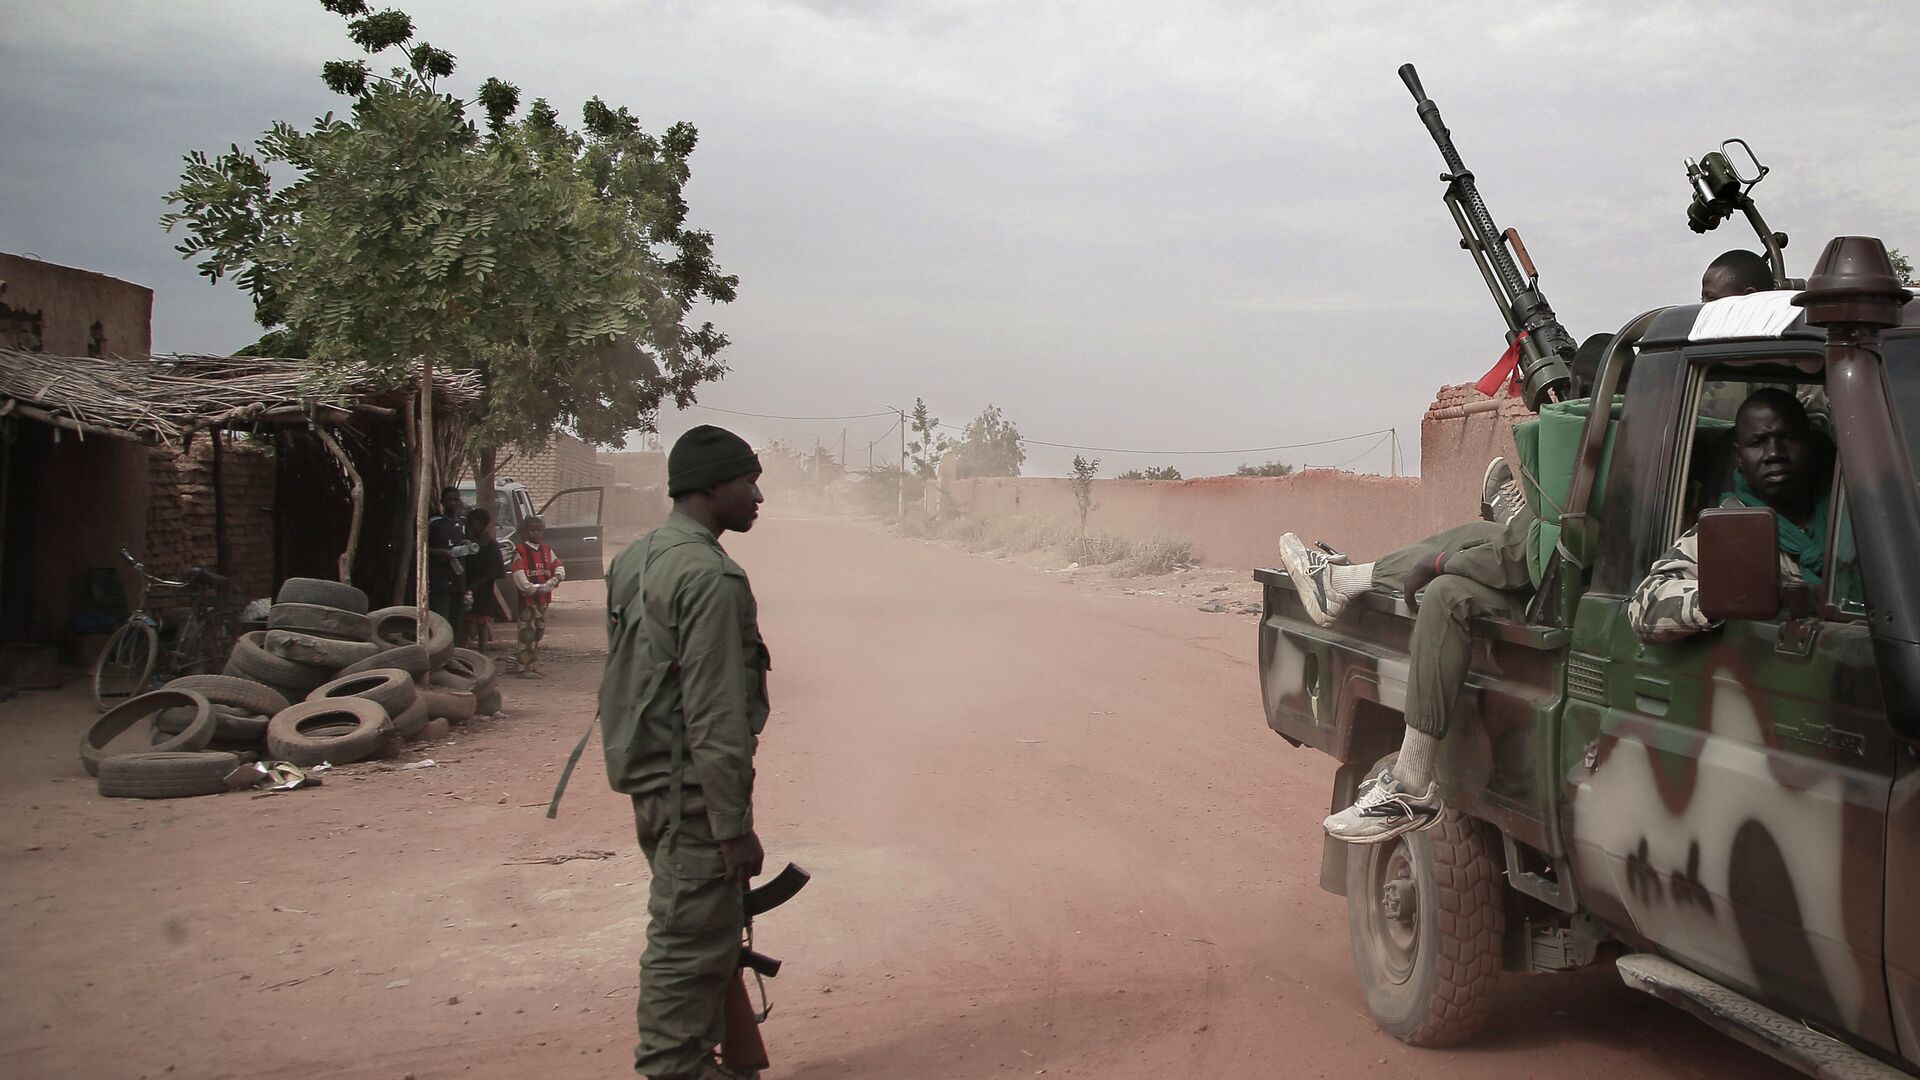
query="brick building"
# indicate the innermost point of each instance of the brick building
(565, 462)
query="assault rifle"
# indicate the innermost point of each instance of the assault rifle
(1543, 346)
(1721, 186)
(743, 1049)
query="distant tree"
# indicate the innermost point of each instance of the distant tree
(1082, 476)
(1902, 267)
(1152, 472)
(926, 445)
(990, 446)
(1271, 468)
(556, 262)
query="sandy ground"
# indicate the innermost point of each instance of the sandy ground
(1049, 830)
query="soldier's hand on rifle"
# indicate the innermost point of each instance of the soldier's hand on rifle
(1420, 577)
(744, 856)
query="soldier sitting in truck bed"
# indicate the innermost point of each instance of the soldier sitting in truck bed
(1783, 463)
(1471, 571)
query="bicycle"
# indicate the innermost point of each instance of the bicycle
(133, 661)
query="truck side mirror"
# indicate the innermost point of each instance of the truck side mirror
(1739, 563)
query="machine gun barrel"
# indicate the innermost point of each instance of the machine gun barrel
(1545, 345)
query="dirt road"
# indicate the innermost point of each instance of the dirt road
(1048, 829)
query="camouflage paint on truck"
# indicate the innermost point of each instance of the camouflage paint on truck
(1742, 801)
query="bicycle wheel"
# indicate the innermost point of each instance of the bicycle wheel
(125, 667)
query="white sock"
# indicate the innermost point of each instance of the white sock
(1348, 580)
(1414, 767)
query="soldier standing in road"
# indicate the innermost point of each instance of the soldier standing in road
(681, 708)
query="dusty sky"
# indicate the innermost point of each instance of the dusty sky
(1156, 225)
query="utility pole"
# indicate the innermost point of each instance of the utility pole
(843, 452)
(903, 463)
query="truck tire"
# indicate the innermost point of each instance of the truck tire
(466, 670)
(396, 626)
(412, 659)
(244, 694)
(337, 730)
(391, 688)
(251, 660)
(163, 775)
(324, 593)
(1426, 916)
(230, 724)
(328, 622)
(115, 721)
(446, 704)
(410, 721)
(326, 652)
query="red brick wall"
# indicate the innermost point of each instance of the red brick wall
(180, 513)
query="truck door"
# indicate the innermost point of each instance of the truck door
(572, 518)
(1731, 802)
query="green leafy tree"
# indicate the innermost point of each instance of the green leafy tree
(1152, 472)
(1271, 468)
(1082, 478)
(558, 263)
(925, 444)
(1902, 267)
(990, 446)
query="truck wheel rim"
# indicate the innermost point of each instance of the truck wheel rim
(1393, 915)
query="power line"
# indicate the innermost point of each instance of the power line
(776, 416)
(1341, 465)
(1168, 453)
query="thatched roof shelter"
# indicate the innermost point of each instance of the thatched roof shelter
(165, 399)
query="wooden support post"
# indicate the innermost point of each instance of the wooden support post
(357, 491)
(424, 496)
(221, 547)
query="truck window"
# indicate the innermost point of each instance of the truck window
(1711, 468)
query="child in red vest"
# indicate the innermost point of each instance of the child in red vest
(536, 572)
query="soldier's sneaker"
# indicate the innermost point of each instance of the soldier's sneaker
(1308, 569)
(1384, 810)
(1500, 494)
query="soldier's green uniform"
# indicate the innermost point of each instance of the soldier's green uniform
(681, 707)
(1483, 573)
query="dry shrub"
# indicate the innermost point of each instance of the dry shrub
(1160, 553)
(1100, 549)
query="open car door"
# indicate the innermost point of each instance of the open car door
(572, 518)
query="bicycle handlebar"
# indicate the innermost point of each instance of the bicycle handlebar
(196, 575)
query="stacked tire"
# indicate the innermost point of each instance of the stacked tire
(327, 681)
(180, 763)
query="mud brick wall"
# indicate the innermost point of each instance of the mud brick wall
(565, 462)
(1236, 520)
(180, 513)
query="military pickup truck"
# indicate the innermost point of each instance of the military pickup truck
(1733, 819)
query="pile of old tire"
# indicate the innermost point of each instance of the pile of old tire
(314, 629)
(322, 645)
(179, 765)
(241, 709)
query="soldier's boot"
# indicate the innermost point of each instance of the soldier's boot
(716, 1071)
(1325, 584)
(1500, 495)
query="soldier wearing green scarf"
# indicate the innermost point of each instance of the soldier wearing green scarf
(682, 704)
(1782, 464)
